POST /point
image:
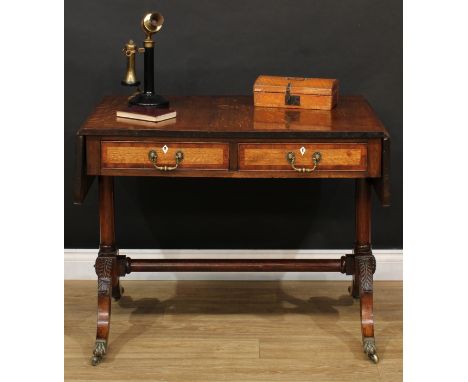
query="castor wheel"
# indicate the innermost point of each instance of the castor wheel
(95, 360)
(370, 349)
(374, 358)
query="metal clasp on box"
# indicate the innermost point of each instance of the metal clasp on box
(291, 99)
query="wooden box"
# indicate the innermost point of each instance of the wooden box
(274, 118)
(295, 92)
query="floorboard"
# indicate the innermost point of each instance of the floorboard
(293, 331)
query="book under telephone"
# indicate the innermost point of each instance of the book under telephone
(150, 114)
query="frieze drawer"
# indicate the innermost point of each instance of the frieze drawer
(164, 156)
(307, 157)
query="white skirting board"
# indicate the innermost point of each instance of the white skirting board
(79, 264)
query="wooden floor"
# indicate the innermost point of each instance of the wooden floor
(233, 331)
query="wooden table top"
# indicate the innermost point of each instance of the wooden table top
(236, 117)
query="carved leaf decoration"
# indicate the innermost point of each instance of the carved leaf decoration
(104, 266)
(373, 264)
(104, 271)
(366, 269)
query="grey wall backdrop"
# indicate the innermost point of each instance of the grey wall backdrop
(219, 47)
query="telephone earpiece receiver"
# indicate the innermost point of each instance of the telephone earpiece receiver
(152, 23)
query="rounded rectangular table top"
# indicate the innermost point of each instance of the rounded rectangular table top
(236, 117)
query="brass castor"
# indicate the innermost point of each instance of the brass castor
(99, 352)
(370, 349)
(95, 360)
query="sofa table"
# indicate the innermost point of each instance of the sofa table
(227, 137)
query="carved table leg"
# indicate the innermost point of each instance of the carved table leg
(104, 269)
(119, 270)
(108, 267)
(365, 267)
(117, 291)
(354, 288)
(364, 263)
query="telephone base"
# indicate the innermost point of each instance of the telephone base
(149, 99)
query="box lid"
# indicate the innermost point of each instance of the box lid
(297, 85)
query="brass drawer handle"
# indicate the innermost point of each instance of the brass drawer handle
(153, 157)
(291, 158)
